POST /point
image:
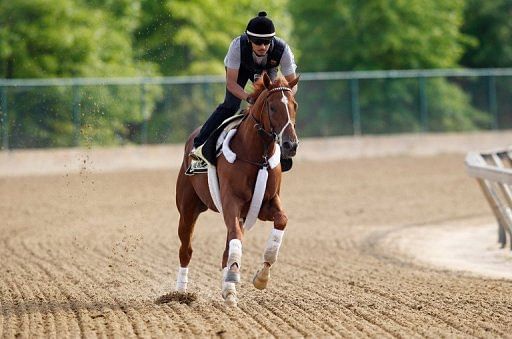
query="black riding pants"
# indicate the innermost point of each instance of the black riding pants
(228, 108)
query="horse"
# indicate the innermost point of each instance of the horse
(267, 128)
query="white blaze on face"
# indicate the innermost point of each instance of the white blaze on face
(284, 100)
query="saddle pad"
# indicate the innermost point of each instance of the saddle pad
(211, 146)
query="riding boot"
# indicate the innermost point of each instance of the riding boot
(225, 110)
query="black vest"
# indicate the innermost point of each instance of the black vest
(274, 54)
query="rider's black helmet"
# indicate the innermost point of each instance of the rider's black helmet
(260, 27)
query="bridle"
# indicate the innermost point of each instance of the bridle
(259, 125)
(275, 137)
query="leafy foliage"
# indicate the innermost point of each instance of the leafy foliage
(118, 38)
(65, 38)
(490, 23)
(192, 36)
(379, 34)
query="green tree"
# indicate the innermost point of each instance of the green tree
(378, 34)
(384, 34)
(192, 36)
(66, 38)
(490, 23)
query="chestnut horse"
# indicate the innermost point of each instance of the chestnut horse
(268, 127)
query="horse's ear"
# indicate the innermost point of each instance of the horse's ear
(294, 82)
(266, 80)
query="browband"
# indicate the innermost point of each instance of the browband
(279, 89)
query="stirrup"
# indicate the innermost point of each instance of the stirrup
(197, 154)
(196, 167)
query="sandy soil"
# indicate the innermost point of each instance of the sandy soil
(464, 245)
(89, 254)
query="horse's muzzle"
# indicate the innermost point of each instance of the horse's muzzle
(289, 148)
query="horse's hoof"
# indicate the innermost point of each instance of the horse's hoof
(232, 277)
(229, 294)
(261, 277)
(231, 300)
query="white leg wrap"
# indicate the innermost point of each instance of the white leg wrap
(182, 280)
(273, 244)
(235, 253)
(228, 290)
(227, 287)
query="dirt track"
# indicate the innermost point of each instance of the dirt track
(88, 254)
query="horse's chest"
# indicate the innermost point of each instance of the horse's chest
(271, 187)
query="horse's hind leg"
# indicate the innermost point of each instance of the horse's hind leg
(185, 231)
(189, 206)
(262, 276)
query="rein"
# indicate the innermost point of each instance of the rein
(264, 133)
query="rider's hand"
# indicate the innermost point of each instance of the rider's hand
(250, 100)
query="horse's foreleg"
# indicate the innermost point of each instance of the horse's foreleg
(273, 245)
(232, 257)
(262, 276)
(231, 271)
(228, 289)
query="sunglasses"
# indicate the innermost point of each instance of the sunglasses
(260, 41)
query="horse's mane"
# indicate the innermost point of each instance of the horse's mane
(259, 87)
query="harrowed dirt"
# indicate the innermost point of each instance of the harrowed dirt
(96, 254)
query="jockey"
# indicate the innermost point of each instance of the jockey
(255, 51)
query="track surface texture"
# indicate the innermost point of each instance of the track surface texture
(93, 254)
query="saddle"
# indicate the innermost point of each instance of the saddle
(213, 146)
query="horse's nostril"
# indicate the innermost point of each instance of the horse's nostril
(290, 147)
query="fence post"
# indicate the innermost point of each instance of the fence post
(4, 118)
(144, 134)
(502, 235)
(76, 115)
(423, 104)
(354, 100)
(493, 107)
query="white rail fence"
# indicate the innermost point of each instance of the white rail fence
(493, 171)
